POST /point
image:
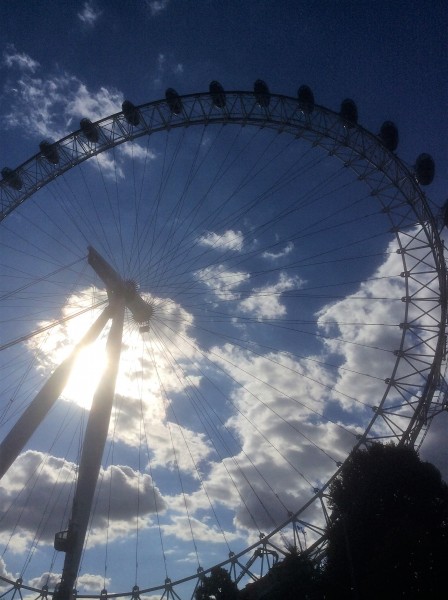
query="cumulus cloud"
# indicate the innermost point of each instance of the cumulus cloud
(82, 102)
(172, 445)
(127, 491)
(203, 531)
(264, 302)
(122, 495)
(51, 107)
(48, 107)
(4, 573)
(46, 578)
(286, 446)
(229, 240)
(364, 330)
(137, 151)
(92, 583)
(87, 581)
(222, 282)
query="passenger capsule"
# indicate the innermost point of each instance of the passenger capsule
(174, 101)
(349, 112)
(131, 113)
(389, 135)
(424, 169)
(218, 94)
(12, 178)
(49, 151)
(262, 93)
(306, 99)
(89, 130)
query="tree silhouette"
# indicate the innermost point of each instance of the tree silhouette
(218, 585)
(388, 531)
(294, 577)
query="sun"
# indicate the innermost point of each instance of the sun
(146, 360)
(60, 341)
(85, 375)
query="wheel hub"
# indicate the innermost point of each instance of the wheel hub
(116, 286)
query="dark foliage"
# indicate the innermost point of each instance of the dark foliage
(296, 576)
(388, 531)
(217, 585)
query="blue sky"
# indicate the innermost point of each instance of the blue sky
(242, 413)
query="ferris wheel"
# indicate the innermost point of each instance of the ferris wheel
(208, 302)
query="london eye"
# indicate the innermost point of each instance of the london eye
(208, 301)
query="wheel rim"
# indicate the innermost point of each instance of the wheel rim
(416, 351)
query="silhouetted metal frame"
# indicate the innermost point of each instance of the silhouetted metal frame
(423, 340)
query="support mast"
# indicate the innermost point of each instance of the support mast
(122, 295)
(72, 540)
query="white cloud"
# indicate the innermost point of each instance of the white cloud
(137, 151)
(51, 107)
(92, 583)
(82, 102)
(229, 240)
(49, 579)
(122, 495)
(222, 282)
(364, 332)
(109, 165)
(89, 14)
(24, 62)
(189, 446)
(86, 581)
(173, 446)
(4, 573)
(264, 302)
(126, 494)
(202, 530)
(281, 253)
(291, 448)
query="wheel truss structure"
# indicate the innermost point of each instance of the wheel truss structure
(414, 389)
